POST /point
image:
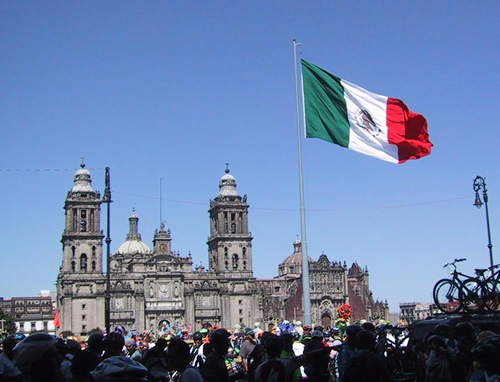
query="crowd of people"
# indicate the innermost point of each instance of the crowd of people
(280, 354)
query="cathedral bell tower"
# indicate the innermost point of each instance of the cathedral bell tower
(162, 241)
(81, 281)
(230, 243)
(82, 237)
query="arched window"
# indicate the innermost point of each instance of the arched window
(75, 219)
(73, 266)
(73, 251)
(235, 261)
(93, 265)
(83, 262)
(225, 253)
(244, 265)
(83, 221)
(244, 252)
(226, 265)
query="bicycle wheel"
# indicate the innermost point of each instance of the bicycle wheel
(446, 296)
(490, 295)
(470, 295)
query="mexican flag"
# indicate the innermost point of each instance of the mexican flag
(340, 112)
(57, 322)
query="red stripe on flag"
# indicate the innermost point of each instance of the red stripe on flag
(407, 130)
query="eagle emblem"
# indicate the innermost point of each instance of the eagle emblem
(365, 121)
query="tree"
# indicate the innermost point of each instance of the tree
(7, 325)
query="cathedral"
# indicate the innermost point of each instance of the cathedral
(151, 286)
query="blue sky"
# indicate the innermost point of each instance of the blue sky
(173, 90)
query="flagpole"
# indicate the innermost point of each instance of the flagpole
(305, 258)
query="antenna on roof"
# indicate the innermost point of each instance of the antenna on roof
(161, 218)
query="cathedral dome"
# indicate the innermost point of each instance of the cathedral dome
(134, 244)
(293, 263)
(83, 180)
(227, 185)
(296, 257)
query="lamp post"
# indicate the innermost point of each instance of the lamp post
(480, 183)
(107, 299)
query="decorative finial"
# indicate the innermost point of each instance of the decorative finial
(227, 168)
(82, 165)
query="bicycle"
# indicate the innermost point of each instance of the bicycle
(490, 290)
(456, 295)
(392, 343)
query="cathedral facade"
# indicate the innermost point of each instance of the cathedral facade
(331, 284)
(150, 287)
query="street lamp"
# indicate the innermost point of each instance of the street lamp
(107, 298)
(479, 183)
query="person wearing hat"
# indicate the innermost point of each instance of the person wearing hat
(143, 347)
(247, 346)
(113, 344)
(120, 368)
(132, 351)
(486, 354)
(8, 371)
(272, 369)
(95, 344)
(67, 349)
(366, 364)
(178, 360)
(215, 369)
(194, 350)
(348, 348)
(82, 365)
(155, 360)
(289, 359)
(298, 349)
(306, 335)
(38, 359)
(317, 368)
(200, 357)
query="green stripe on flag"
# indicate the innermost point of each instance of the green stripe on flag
(325, 107)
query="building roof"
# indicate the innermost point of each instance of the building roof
(134, 244)
(296, 257)
(227, 185)
(132, 247)
(82, 180)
